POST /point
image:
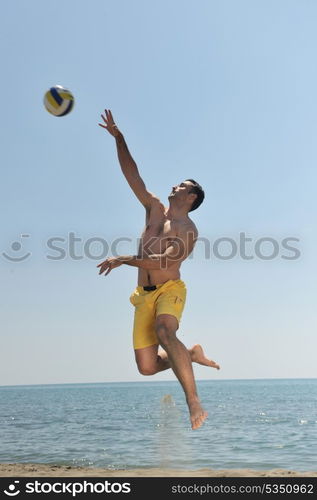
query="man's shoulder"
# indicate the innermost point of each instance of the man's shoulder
(154, 202)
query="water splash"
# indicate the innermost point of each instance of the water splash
(174, 449)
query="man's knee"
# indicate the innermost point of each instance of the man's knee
(146, 369)
(146, 359)
(165, 334)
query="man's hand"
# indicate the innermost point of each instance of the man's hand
(109, 123)
(109, 264)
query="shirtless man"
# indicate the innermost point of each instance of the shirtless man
(168, 238)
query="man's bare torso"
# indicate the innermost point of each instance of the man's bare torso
(159, 232)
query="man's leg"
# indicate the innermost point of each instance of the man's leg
(197, 355)
(151, 359)
(180, 361)
(148, 360)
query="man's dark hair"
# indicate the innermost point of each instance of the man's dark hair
(196, 189)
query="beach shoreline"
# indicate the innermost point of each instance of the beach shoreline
(51, 470)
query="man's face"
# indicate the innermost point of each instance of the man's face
(181, 191)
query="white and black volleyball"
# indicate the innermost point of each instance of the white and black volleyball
(58, 101)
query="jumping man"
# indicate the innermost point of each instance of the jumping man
(167, 240)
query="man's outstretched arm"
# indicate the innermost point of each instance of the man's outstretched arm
(154, 262)
(177, 251)
(127, 163)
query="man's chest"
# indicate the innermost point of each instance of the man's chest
(158, 232)
(159, 228)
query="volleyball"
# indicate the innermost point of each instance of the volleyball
(58, 101)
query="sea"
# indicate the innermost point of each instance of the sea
(258, 424)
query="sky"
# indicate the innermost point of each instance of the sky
(220, 91)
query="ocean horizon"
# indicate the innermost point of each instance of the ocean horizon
(154, 381)
(252, 423)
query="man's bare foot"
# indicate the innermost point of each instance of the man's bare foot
(197, 414)
(198, 356)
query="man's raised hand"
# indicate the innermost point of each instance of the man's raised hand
(109, 123)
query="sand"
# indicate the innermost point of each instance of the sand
(48, 470)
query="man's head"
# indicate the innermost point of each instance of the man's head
(188, 192)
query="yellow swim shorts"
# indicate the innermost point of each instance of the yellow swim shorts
(168, 298)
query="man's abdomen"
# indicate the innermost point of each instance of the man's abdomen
(157, 277)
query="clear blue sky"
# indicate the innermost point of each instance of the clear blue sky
(221, 91)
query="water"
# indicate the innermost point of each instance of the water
(258, 424)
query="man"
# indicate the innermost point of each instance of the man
(168, 238)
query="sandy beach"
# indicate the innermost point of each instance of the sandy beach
(45, 470)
